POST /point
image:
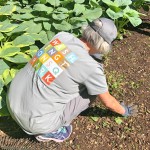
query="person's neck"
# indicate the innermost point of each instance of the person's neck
(88, 47)
(86, 44)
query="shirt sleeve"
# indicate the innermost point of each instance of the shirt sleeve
(96, 82)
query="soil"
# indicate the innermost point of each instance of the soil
(128, 70)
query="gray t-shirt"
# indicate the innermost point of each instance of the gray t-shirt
(53, 77)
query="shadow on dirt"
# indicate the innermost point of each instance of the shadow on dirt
(98, 112)
(142, 29)
(9, 127)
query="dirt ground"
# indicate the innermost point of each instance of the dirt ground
(128, 73)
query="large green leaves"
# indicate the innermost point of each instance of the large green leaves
(42, 7)
(1, 36)
(8, 27)
(133, 16)
(79, 1)
(19, 58)
(23, 40)
(63, 26)
(123, 2)
(114, 15)
(77, 22)
(7, 10)
(54, 2)
(8, 51)
(79, 8)
(60, 16)
(92, 14)
(3, 66)
(1, 86)
(6, 76)
(118, 3)
(33, 27)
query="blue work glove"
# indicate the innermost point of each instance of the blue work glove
(130, 109)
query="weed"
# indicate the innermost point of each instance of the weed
(115, 82)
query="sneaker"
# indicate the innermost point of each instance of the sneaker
(60, 135)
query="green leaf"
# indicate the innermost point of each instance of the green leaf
(27, 16)
(94, 3)
(3, 66)
(47, 26)
(21, 27)
(8, 51)
(4, 111)
(59, 16)
(34, 28)
(129, 12)
(43, 1)
(135, 21)
(1, 36)
(77, 22)
(92, 14)
(42, 7)
(19, 58)
(118, 120)
(17, 17)
(6, 76)
(66, 2)
(79, 1)
(7, 10)
(54, 2)
(1, 84)
(8, 27)
(109, 3)
(32, 50)
(35, 36)
(123, 2)
(79, 8)
(63, 26)
(23, 40)
(13, 72)
(94, 118)
(5, 22)
(50, 35)
(133, 16)
(40, 19)
(43, 37)
(114, 15)
(25, 10)
(61, 10)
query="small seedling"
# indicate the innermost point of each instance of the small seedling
(118, 120)
(94, 118)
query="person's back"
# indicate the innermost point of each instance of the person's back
(52, 78)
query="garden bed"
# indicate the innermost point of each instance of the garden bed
(128, 70)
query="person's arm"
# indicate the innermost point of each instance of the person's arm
(111, 103)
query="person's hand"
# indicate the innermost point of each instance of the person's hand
(130, 109)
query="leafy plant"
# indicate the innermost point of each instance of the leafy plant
(115, 83)
(121, 12)
(94, 118)
(118, 120)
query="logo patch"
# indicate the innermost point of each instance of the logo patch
(51, 60)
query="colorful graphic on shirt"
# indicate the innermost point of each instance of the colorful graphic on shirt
(51, 60)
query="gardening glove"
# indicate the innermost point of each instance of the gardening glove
(130, 109)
